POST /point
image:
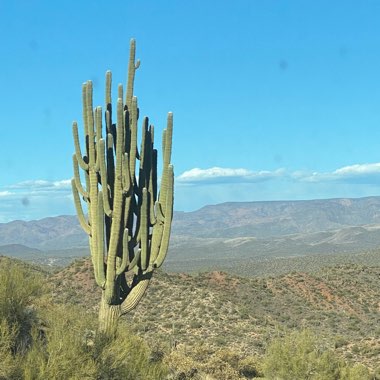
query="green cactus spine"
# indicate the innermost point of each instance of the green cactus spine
(128, 222)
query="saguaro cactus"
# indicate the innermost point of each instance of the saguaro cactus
(128, 222)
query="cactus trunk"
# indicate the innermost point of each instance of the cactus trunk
(128, 221)
(108, 317)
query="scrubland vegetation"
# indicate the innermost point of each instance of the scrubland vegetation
(209, 326)
(40, 339)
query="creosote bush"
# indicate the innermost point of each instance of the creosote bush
(19, 287)
(301, 356)
(9, 368)
(202, 362)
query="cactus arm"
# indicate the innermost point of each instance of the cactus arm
(158, 229)
(143, 148)
(153, 181)
(78, 153)
(120, 91)
(99, 254)
(108, 119)
(162, 203)
(167, 154)
(144, 230)
(159, 214)
(152, 216)
(126, 175)
(93, 209)
(127, 212)
(84, 113)
(132, 67)
(110, 164)
(136, 293)
(98, 134)
(168, 220)
(103, 176)
(134, 261)
(133, 147)
(163, 140)
(117, 207)
(125, 259)
(108, 89)
(79, 209)
(90, 125)
(78, 183)
(98, 124)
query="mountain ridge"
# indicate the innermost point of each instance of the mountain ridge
(231, 230)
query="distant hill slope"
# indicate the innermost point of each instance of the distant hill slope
(18, 249)
(61, 232)
(277, 218)
(240, 230)
(345, 240)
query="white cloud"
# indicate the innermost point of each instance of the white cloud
(221, 175)
(358, 173)
(358, 169)
(5, 193)
(31, 185)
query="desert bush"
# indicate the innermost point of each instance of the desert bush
(19, 288)
(9, 367)
(68, 348)
(201, 362)
(61, 349)
(250, 367)
(300, 356)
(356, 372)
(127, 357)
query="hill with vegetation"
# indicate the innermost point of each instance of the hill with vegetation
(216, 311)
(211, 325)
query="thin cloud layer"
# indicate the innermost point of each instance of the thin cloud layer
(37, 184)
(35, 199)
(221, 175)
(358, 173)
(360, 169)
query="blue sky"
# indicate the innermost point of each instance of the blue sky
(271, 99)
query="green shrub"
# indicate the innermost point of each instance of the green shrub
(300, 356)
(19, 288)
(127, 357)
(10, 366)
(69, 349)
(61, 348)
(356, 372)
(250, 367)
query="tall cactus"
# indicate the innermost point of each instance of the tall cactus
(128, 222)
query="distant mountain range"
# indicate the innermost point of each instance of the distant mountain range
(228, 230)
(54, 233)
(277, 218)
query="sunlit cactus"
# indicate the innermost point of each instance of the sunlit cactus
(128, 220)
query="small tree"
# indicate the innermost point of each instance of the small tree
(128, 222)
